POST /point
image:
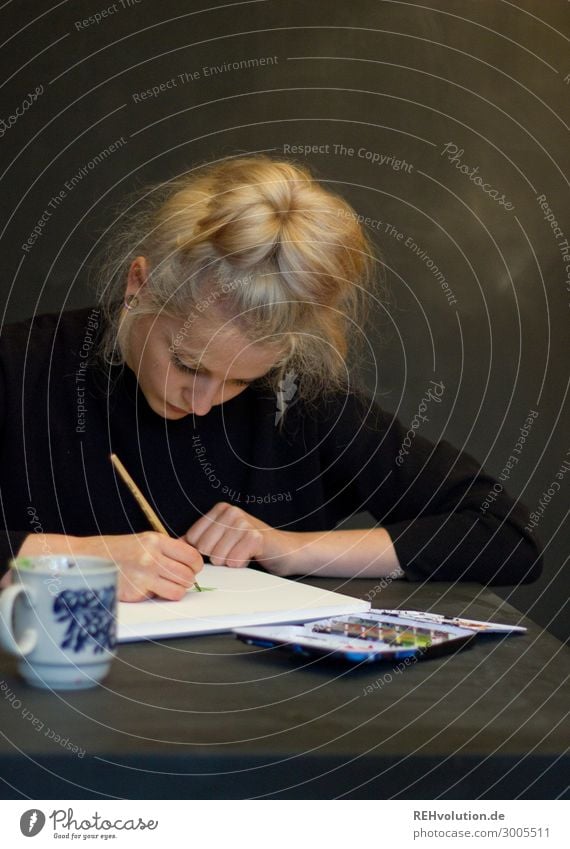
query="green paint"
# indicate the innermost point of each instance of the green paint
(23, 562)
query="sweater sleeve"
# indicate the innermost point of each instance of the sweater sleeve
(10, 540)
(10, 544)
(448, 519)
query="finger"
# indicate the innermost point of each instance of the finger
(182, 553)
(245, 549)
(219, 552)
(177, 573)
(132, 586)
(155, 563)
(205, 522)
(214, 535)
(168, 590)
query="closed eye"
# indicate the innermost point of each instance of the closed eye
(185, 369)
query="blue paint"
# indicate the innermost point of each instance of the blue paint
(91, 619)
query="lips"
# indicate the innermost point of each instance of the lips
(178, 410)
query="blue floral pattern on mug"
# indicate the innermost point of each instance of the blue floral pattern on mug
(91, 619)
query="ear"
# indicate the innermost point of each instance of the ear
(136, 277)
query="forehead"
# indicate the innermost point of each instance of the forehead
(218, 345)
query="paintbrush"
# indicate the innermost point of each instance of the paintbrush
(142, 502)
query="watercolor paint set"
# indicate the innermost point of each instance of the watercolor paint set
(373, 636)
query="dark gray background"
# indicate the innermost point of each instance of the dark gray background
(491, 77)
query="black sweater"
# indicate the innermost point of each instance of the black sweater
(61, 415)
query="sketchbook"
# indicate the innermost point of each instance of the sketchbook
(232, 598)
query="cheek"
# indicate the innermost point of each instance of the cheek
(170, 382)
(230, 392)
(157, 371)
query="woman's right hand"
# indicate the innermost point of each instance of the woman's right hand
(150, 564)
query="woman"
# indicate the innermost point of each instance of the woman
(229, 307)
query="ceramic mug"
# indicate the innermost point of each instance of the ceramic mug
(59, 617)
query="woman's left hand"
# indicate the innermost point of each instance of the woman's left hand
(231, 537)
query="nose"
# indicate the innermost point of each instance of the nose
(201, 396)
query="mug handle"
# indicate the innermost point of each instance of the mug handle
(29, 638)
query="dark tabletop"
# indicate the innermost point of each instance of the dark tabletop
(210, 717)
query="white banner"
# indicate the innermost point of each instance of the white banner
(274, 824)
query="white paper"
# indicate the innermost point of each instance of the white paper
(237, 597)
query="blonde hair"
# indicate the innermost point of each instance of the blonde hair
(260, 241)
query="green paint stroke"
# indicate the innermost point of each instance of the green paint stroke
(23, 562)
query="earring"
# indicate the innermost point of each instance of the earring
(131, 302)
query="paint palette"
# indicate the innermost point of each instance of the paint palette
(366, 637)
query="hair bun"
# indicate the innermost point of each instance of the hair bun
(248, 209)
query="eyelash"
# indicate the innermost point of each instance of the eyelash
(190, 370)
(181, 367)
